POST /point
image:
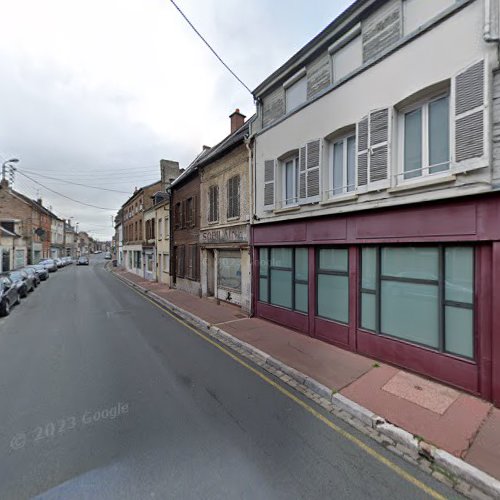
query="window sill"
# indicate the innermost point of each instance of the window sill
(232, 219)
(408, 186)
(212, 222)
(292, 208)
(339, 199)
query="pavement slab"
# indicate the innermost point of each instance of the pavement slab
(485, 450)
(453, 430)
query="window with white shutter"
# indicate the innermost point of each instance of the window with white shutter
(213, 203)
(269, 174)
(313, 161)
(373, 133)
(233, 197)
(469, 88)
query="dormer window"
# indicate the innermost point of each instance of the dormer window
(295, 91)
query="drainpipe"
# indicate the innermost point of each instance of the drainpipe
(488, 36)
(248, 143)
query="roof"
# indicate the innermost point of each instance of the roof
(336, 28)
(226, 145)
(138, 191)
(35, 204)
(193, 167)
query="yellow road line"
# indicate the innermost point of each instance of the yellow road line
(353, 439)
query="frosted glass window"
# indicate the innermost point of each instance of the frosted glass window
(281, 288)
(281, 257)
(459, 274)
(301, 299)
(413, 144)
(459, 331)
(333, 297)
(410, 262)
(409, 311)
(439, 135)
(263, 296)
(263, 264)
(368, 310)
(296, 94)
(301, 264)
(333, 259)
(368, 268)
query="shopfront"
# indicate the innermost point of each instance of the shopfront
(413, 286)
(225, 264)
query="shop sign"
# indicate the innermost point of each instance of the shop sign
(237, 234)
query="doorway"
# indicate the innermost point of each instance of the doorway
(210, 273)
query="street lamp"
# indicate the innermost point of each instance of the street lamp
(5, 164)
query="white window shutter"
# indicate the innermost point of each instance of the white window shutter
(470, 108)
(313, 161)
(302, 175)
(362, 151)
(378, 164)
(269, 176)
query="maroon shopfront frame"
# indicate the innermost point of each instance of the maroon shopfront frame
(473, 220)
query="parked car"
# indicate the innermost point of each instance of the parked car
(83, 261)
(9, 295)
(49, 264)
(33, 274)
(67, 260)
(59, 262)
(107, 255)
(43, 273)
(23, 282)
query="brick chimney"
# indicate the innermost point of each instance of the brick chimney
(237, 120)
(169, 171)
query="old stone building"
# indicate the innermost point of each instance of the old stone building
(225, 217)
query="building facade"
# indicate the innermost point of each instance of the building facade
(376, 189)
(185, 232)
(162, 243)
(13, 249)
(225, 269)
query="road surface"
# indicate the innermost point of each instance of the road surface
(104, 395)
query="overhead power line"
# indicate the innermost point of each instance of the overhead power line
(76, 183)
(64, 196)
(209, 46)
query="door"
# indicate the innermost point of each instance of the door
(210, 273)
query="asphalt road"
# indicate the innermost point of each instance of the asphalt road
(104, 395)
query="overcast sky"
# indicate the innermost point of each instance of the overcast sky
(97, 91)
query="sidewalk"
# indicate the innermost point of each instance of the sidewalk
(463, 425)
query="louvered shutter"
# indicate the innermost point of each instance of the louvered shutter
(302, 175)
(362, 156)
(469, 89)
(379, 145)
(313, 160)
(269, 174)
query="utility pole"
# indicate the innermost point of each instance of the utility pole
(5, 164)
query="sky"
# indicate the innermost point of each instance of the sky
(96, 92)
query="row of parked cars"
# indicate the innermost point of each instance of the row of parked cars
(16, 285)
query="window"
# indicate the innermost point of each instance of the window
(229, 270)
(192, 262)
(233, 197)
(189, 212)
(343, 166)
(160, 228)
(179, 261)
(167, 228)
(213, 203)
(424, 295)
(347, 58)
(290, 180)
(137, 258)
(166, 263)
(417, 13)
(283, 277)
(426, 141)
(332, 284)
(177, 216)
(296, 94)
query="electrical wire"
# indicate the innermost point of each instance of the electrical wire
(64, 196)
(209, 46)
(76, 183)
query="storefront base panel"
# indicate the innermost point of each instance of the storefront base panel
(454, 371)
(331, 332)
(290, 319)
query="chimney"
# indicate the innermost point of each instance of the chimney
(4, 183)
(169, 171)
(237, 120)
(39, 201)
(206, 148)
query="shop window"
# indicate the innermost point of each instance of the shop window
(422, 295)
(229, 270)
(332, 277)
(283, 277)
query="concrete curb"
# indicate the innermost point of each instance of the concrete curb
(400, 441)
